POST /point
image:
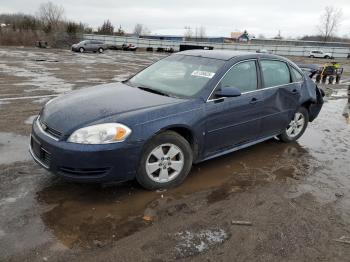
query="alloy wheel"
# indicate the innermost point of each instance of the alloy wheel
(164, 163)
(296, 126)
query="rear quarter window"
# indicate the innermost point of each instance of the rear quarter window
(275, 73)
(297, 76)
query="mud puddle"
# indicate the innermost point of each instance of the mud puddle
(89, 216)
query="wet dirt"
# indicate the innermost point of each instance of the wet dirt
(296, 195)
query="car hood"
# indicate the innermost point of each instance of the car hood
(83, 107)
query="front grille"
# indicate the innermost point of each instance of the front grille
(84, 171)
(49, 130)
(40, 153)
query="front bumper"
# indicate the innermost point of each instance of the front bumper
(75, 48)
(85, 163)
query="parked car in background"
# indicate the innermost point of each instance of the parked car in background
(262, 51)
(89, 46)
(320, 54)
(186, 108)
(129, 47)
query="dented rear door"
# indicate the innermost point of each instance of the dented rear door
(280, 97)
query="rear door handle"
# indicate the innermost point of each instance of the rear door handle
(253, 101)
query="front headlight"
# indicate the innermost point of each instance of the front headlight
(100, 134)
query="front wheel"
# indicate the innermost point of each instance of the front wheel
(296, 127)
(100, 50)
(165, 162)
(81, 50)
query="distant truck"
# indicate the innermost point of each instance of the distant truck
(89, 46)
(320, 54)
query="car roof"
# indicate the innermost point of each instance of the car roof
(223, 54)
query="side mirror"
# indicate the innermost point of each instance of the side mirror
(228, 91)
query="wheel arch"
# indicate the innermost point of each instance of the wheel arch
(312, 108)
(307, 104)
(187, 133)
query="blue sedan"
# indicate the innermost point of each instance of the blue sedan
(184, 109)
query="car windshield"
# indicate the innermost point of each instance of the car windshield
(177, 75)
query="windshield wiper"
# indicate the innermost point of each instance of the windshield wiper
(148, 89)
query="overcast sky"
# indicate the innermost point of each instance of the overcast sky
(294, 18)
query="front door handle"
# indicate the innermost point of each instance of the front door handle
(253, 101)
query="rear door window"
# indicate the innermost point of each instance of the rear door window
(275, 73)
(242, 76)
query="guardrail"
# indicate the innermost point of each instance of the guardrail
(284, 50)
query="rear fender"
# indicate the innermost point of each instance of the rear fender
(315, 108)
(312, 98)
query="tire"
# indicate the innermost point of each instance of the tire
(327, 57)
(330, 80)
(81, 50)
(318, 78)
(337, 79)
(100, 50)
(288, 136)
(324, 79)
(152, 167)
(311, 56)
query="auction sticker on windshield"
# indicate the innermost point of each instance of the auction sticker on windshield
(203, 74)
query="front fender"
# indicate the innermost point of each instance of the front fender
(191, 120)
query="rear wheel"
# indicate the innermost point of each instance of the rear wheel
(324, 79)
(337, 79)
(330, 80)
(318, 78)
(81, 50)
(100, 50)
(296, 127)
(165, 162)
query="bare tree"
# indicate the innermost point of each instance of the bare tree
(329, 22)
(279, 35)
(138, 29)
(188, 33)
(120, 31)
(50, 15)
(145, 31)
(200, 33)
(106, 29)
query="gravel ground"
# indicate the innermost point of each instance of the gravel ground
(296, 196)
